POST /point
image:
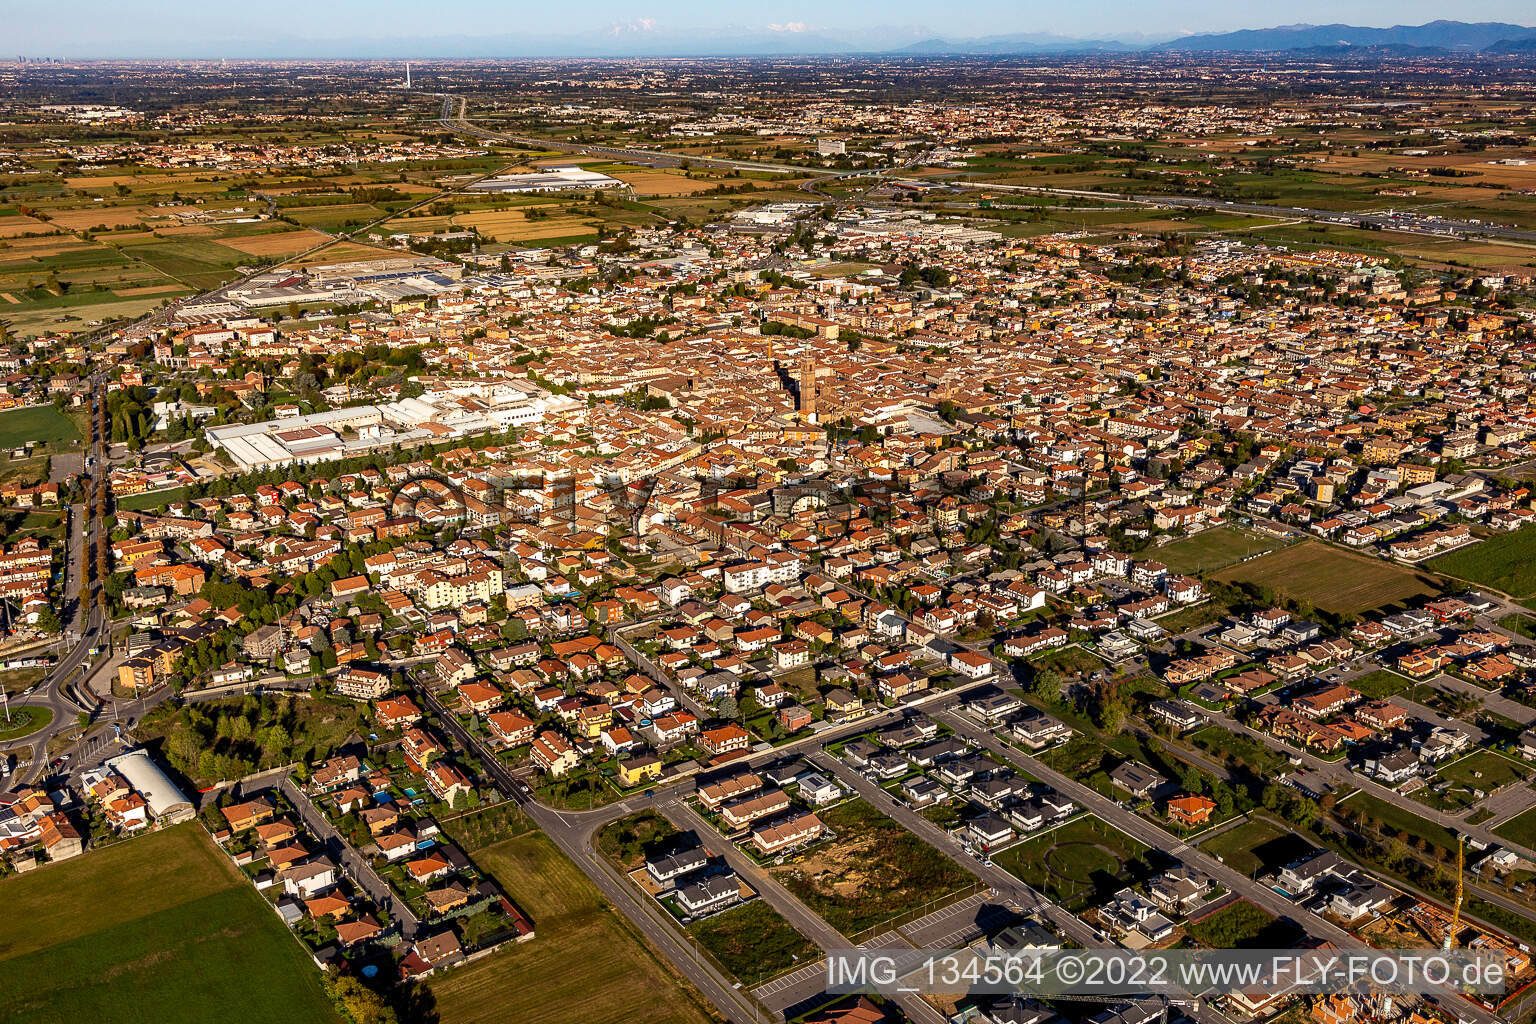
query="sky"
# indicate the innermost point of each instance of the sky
(186, 27)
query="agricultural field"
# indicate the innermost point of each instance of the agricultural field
(1212, 550)
(517, 226)
(1079, 864)
(1332, 580)
(873, 871)
(284, 243)
(164, 916)
(1505, 561)
(621, 979)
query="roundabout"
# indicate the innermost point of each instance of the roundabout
(25, 720)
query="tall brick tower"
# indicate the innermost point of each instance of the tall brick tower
(808, 390)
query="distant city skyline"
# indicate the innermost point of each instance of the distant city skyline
(389, 28)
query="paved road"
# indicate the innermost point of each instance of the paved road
(347, 856)
(573, 835)
(1156, 837)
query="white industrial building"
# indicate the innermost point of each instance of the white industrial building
(555, 179)
(166, 802)
(449, 411)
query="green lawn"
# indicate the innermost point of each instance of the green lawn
(24, 721)
(1211, 550)
(753, 942)
(1079, 864)
(1255, 847)
(1521, 624)
(1485, 769)
(1227, 745)
(1380, 684)
(161, 929)
(584, 963)
(1520, 829)
(43, 424)
(1400, 819)
(1505, 561)
(21, 524)
(154, 499)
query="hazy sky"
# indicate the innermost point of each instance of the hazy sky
(73, 27)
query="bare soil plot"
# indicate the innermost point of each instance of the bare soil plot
(280, 244)
(515, 226)
(665, 183)
(12, 227)
(92, 216)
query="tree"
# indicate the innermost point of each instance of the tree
(358, 1003)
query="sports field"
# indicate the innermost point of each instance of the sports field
(43, 424)
(161, 930)
(584, 963)
(1211, 550)
(1332, 580)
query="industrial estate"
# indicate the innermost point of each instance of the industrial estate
(546, 539)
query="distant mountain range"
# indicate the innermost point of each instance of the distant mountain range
(645, 39)
(1436, 37)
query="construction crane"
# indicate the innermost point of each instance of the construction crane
(1461, 865)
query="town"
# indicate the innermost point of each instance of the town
(598, 559)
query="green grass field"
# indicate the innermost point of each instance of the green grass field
(24, 720)
(1078, 864)
(1520, 829)
(1400, 819)
(584, 963)
(43, 424)
(159, 930)
(1332, 580)
(1211, 550)
(1380, 684)
(1506, 561)
(1484, 770)
(154, 499)
(1241, 925)
(1255, 847)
